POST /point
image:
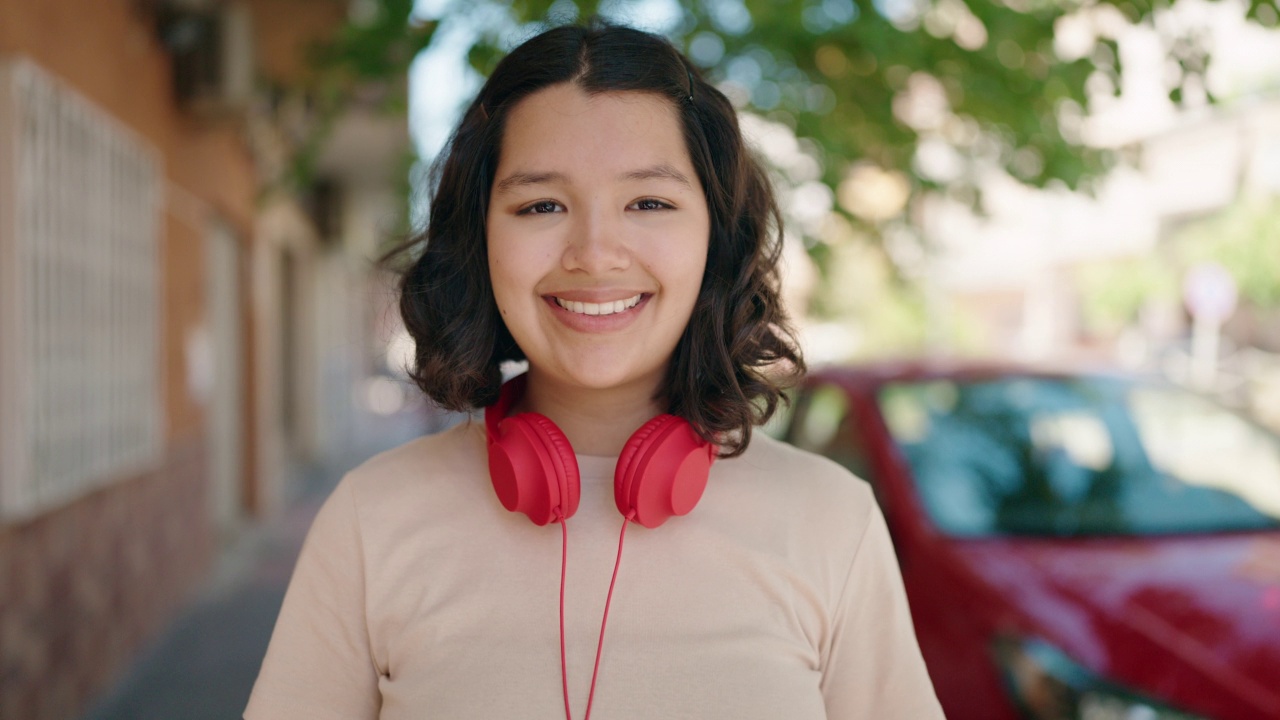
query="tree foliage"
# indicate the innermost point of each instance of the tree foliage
(377, 45)
(927, 93)
(973, 83)
(365, 63)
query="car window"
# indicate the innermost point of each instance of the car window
(1205, 445)
(823, 423)
(1081, 456)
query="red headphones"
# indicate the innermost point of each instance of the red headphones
(661, 472)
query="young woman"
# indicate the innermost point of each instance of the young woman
(598, 216)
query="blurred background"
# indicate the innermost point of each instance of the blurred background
(195, 341)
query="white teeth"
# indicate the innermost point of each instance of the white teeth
(608, 308)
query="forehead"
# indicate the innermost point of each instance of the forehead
(564, 129)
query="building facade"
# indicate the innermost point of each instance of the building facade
(176, 331)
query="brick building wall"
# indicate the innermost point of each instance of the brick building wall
(83, 586)
(88, 585)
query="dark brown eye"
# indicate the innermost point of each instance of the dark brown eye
(650, 204)
(541, 207)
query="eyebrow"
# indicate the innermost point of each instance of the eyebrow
(661, 171)
(520, 179)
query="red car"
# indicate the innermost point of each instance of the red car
(1073, 545)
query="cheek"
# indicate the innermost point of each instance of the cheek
(518, 260)
(500, 278)
(515, 269)
(504, 284)
(694, 264)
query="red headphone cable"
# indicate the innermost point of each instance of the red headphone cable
(564, 562)
(605, 620)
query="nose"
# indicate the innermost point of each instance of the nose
(595, 244)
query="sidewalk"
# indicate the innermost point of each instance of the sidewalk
(203, 665)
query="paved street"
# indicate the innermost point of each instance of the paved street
(203, 666)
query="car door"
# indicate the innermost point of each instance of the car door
(846, 425)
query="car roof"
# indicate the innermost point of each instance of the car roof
(871, 374)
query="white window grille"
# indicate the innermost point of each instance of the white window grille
(80, 380)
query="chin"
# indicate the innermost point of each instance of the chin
(607, 375)
(608, 380)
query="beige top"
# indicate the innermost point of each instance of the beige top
(418, 596)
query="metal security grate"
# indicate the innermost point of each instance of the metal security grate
(80, 378)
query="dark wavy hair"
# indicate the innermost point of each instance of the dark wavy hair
(738, 353)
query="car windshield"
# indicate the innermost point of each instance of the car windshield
(1082, 456)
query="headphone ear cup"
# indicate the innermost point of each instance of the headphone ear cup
(662, 471)
(626, 459)
(533, 468)
(568, 479)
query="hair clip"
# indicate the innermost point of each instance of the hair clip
(688, 71)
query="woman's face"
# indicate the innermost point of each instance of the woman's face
(598, 232)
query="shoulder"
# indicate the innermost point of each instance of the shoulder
(457, 449)
(790, 471)
(777, 485)
(431, 469)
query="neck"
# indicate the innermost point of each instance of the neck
(596, 421)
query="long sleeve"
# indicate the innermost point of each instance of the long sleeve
(319, 664)
(873, 668)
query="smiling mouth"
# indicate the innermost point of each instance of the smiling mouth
(606, 308)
